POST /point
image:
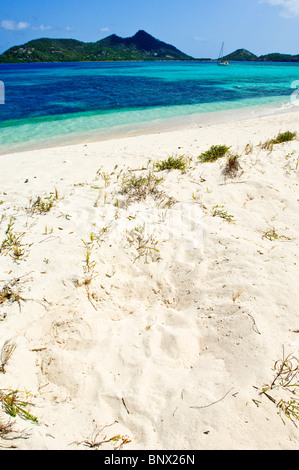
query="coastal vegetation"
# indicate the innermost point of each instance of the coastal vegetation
(95, 441)
(145, 243)
(214, 152)
(15, 403)
(137, 188)
(172, 163)
(218, 211)
(10, 294)
(279, 139)
(43, 204)
(232, 166)
(12, 243)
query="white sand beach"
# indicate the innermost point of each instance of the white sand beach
(151, 320)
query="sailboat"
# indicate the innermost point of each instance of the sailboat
(222, 62)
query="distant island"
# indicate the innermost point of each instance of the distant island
(141, 46)
(242, 55)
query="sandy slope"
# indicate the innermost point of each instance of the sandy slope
(169, 346)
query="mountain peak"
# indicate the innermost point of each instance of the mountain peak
(141, 32)
(145, 41)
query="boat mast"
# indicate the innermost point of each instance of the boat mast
(221, 52)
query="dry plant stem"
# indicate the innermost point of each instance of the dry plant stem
(286, 373)
(287, 370)
(7, 433)
(104, 441)
(232, 166)
(9, 294)
(95, 443)
(89, 268)
(290, 409)
(125, 405)
(146, 244)
(92, 441)
(211, 404)
(255, 328)
(5, 429)
(6, 352)
(138, 188)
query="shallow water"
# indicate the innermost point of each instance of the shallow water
(60, 103)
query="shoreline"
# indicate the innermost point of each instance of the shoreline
(208, 60)
(178, 123)
(152, 320)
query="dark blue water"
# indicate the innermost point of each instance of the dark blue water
(43, 101)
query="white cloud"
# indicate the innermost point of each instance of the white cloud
(290, 8)
(11, 25)
(200, 39)
(105, 29)
(42, 27)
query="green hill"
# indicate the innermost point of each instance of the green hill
(141, 46)
(241, 55)
(276, 57)
(244, 55)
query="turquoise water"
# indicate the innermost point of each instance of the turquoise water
(50, 104)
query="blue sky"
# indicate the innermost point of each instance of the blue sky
(197, 27)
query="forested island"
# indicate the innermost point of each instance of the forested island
(241, 55)
(141, 46)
